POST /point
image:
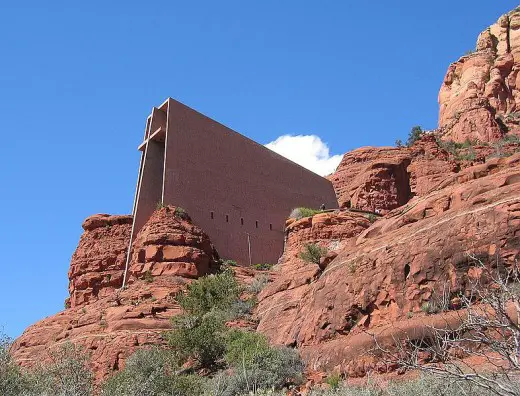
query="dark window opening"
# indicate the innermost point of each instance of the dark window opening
(212, 215)
(271, 227)
(256, 223)
(227, 218)
(242, 220)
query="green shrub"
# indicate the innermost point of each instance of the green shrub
(12, 381)
(159, 205)
(312, 253)
(263, 266)
(333, 380)
(256, 366)
(299, 213)
(371, 217)
(181, 213)
(148, 277)
(243, 348)
(150, 372)
(212, 292)
(201, 338)
(229, 263)
(399, 143)
(415, 134)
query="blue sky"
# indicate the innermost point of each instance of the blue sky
(77, 80)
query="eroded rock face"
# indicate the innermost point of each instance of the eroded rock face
(169, 244)
(384, 273)
(96, 268)
(282, 299)
(384, 178)
(111, 324)
(480, 97)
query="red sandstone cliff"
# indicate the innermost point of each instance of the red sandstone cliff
(384, 272)
(480, 97)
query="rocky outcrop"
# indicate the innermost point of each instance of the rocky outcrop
(384, 273)
(96, 268)
(280, 302)
(111, 323)
(169, 244)
(480, 98)
(384, 178)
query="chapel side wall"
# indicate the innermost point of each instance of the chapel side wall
(150, 189)
(210, 168)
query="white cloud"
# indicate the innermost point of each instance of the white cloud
(307, 150)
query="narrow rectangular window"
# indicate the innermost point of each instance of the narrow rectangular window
(212, 215)
(227, 218)
(256, 223)
(271, 227)
(242, 220)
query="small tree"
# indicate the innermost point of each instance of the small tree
(200, 338)
(312, 253)
(415, 134)
(212, 292)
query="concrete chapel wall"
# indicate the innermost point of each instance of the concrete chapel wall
(235, 189)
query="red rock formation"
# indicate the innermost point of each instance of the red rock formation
(384, 273)
(480, 97)
(385, 178)
(97, 264)
(112, 323)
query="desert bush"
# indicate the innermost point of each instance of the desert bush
(65, 374)
(371, 217)
(511, 138)
(212, 292)
(241, 308)
(258, 283)
(12, 381)
(299, 213)
(181, 213)
(201, 338)
(256, 366)
(228, 263)
(333, 380)
(152, 372)
(312, 253)
(416, 133)
(263, 266)
(423, 386)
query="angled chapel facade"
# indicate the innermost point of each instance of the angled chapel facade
(238, 191)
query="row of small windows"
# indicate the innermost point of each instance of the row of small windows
(212, 215)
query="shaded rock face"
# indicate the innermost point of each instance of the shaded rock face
(96, 268)
(384, 178)
(480, 97)
(384, 272)
(111, 323)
